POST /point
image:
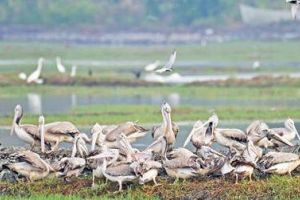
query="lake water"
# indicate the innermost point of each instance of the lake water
(36, 103)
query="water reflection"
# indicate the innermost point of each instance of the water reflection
(34, 103)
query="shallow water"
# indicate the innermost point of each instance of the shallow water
(36, 103)
(7, 140)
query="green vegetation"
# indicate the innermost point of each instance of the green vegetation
(118, 14)
(273, 187)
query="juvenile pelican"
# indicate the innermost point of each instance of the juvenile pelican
(280, 162)
(167, 129)
(169, 65)
(31, 166)
(34, 77)
(148, 171)
(79, 146)
(289, 132)
(120, 173)
(158, 146)
(70, 166)
(60, 66)
(27, 132)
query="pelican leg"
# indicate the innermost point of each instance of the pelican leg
(290, 173)
(236, 178)
(120, 186)
(93, 180)
(250, 177)
(155, 183)
(55, 147)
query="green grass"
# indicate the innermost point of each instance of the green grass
(272, 187)
(103, 114)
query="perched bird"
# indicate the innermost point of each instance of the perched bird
(60, 66)
(152, 66)
(169, 65)
(294, 7)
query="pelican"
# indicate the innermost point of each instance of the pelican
(31, 166)
(169, 65)
(95, 161)
(294, 7)
(70, 166)
(183, 164)
(148, 171)
(27, 132)
(120, 172)
(73, 71)
(152, 66)
(289, 132)
(79, 145)
(158, 146)
(167, 129)
(34, 77)
(280, 162)
(60, 66)
(231, 138)
(262, 136)
(256, 64)
(200, 136)
(57, 132)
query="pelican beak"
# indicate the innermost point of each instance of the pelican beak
(192, 133)
(13, 125)
(280, 139)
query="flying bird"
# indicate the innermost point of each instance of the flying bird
(294, 7)
(34, 77)
(152, 66)
(169, 65)
(60, 66)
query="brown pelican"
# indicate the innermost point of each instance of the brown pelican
(183, 164)
(60, 66)
(262, 136)
(280, 162)
(167, 129)
(57, 132)
(31, 166)
(169, 65)
(27, 132)
(119, 172)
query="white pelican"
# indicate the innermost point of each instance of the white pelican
(73, 71)
(169, 65)
(294, 7)
(152, 66)
(31, 166)
(34, 77)
(167, 129)
(60, 66)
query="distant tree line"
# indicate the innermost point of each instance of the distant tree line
(125, 14)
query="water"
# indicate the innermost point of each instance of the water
(36, 103)
(7, 140)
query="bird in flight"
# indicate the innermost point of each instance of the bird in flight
(169, 65)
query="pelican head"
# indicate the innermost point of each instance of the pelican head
(166, 108)
(41, 132)
(214, 120)
(289, 124)
(17, 117)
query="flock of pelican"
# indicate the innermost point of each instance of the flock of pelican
(35, 76)
(110, 155)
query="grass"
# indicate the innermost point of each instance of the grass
(272, 187)
(104, 114)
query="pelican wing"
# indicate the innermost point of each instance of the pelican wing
(272, 158)
(32, 159)
(126, 128)
(234, 134)
(182, 152)
(171, 61)
(120, 170)
(31, 129)
(61, 128)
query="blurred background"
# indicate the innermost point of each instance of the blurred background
(237, 58)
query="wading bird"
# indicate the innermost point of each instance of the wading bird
(34, 77)
(60, 66)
